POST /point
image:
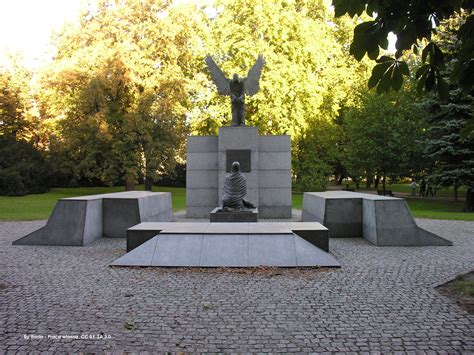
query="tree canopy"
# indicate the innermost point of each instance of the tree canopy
(414, 22)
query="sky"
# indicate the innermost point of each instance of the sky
(26, 26)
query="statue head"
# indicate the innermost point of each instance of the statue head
(235, 167)
(235, 77)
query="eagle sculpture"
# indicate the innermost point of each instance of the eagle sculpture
(236, 87)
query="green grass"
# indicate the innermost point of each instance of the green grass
(39, 206)
(406, 188)
(464, 286)
(34, 207)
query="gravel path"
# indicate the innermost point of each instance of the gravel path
(382, 299)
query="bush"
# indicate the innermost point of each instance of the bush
(22, 168)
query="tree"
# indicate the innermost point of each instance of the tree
(412, 22)
(383, 134)
(452, 156)
(304, 83)
(118, 86)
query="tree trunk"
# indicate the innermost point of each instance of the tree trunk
(148, 183)
(469, 205)
(455, 192)
(369, 181)
(383, 184)
(339, 179)
(130, 185)
(376, 181)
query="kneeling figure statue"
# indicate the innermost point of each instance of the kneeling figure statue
(235, 188)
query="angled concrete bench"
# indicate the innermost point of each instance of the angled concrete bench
(78, 221)
(227, 245)
(382, 220)
(312, 232)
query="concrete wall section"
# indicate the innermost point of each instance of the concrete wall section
(384, 221)
(268, 182)
(201, 176)
(72, 223)
(275, 200)
(81, 220)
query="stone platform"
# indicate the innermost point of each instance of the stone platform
(78, 221)
(382, 220)
(279, 244)
(217, 215)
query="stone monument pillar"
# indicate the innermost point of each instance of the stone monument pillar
(265, 162)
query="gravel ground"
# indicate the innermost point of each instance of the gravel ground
(382, 299)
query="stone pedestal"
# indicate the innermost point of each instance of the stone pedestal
(239, 216)
(268, 175)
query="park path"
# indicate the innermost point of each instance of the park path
(382, 299)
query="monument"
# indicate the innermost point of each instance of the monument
(236, 87)
(265, 160)
(235, 208)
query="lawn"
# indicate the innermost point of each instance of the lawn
(34, 207)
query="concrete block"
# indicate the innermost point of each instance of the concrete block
(81, 220)
(177, 250)
(201, 161)
(199, 211)
(226, 245)
(274, 211)
(314, 233)
(274, 179)
(202, 197)
(121, 212)
(342, 216)
(233, 217)
(274, 160)
(244, 137)
(307, 255)
(228, 250)
(382, 220)
(272, 249)
(274, 143)
(140, 256)
(73, 222)
(274, 197)
(201, 179)
(227, 228)
(201, 144)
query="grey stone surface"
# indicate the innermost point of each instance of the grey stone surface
(73, 222)
(201, 161)
(244, 137)
(307, 255)
(382, 300)
(270, 168)
(201, 144)
(275, 143)
(177, 250)
(201, 179)
(382, 220)
(217, 215)
(274, 197)
(227, 250)
(277, 212)
(202, 198)
(274, 179)
(81, 220)
(275, 160)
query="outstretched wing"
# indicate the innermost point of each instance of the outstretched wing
(218, 77)
(251, 81)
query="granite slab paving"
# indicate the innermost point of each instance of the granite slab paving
(381, 300)
(227, 250)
